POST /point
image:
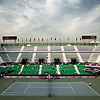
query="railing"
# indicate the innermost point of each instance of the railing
(49, 51)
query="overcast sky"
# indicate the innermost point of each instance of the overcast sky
(50, 18)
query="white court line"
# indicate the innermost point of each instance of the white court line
(13, 92)
(41, 83)
(91, 88)
(71, 87)
(7, 89)
(48, 87)
(27, 87)
(58, 83)
(32, 83)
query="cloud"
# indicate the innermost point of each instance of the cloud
(46, 18)
(81, 24)
(74, 1)
(93, 15)
(53, 7)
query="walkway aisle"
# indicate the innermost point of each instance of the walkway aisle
(34, 54)
(58, 71)
(21, 69)
(92, 54)
(63, 54)
(19, 55)
(76, 69)
(40, 69)
(1, 60)
(78, 54)
(49, 55)
(98, 59)
(7, 54)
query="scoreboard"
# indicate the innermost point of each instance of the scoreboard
(89, 37)
(9, 37)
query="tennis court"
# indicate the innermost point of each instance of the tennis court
(50, 89)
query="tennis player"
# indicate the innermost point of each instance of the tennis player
(14, 81)
(49, 77)
(90, 84)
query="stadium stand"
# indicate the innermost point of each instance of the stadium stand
(30, 70)
(85, 56)
(45, 68)
(16, 70)
(81, 69)
(67, 69)
(49, 69)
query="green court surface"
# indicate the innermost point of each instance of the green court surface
(5, 83)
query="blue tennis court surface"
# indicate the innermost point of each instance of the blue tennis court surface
(50, 88)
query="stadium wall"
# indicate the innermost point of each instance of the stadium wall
(51, 44)
(58, 77)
